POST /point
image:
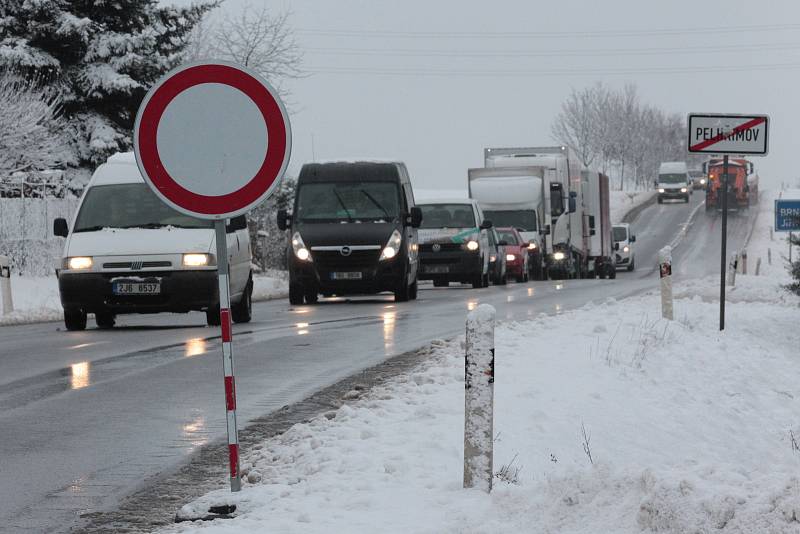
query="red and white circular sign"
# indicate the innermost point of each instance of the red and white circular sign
(212, 139)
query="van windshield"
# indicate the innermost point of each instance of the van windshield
(522, 220)
(129, 206)
(672, 178)
(447, 216)
(347, 201)
(620, 233)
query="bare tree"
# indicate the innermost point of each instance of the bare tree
(30, 125)
(261, 40)
(575, 125)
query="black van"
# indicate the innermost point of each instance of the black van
(354, 231)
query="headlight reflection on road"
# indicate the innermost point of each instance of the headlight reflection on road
(195, 346)
(389, 319)
(530, 291)
(195, 431)
(80, 375)
(559, 286)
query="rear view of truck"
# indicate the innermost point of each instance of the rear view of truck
(739, 184)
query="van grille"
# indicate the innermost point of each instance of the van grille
(443, 247)
(129, 264)
(357, 260)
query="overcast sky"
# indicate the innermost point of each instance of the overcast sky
(434, 82)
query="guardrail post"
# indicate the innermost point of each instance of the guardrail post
(769, 256)
(744, 261)
(665, 273)
(7, 305)
(479, 399)
(732, 267)
(758, 265)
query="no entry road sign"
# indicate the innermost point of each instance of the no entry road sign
(787, 215)
(212, 139)
(728, 134)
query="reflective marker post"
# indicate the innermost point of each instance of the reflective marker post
(227, 352)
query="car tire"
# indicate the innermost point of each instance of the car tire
(242, 311)
(477, 282)
(311, 296)
(486, 280)
(104, 320)
(660, 200)
(632, 265)
(74, 319)
(503, 280)
(212, 316)
(612, 273)
(402, 293)
(440, 283)
(295, 294)
(413, 291)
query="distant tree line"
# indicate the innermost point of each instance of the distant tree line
(614, 131)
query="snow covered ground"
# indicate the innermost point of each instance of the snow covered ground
(36, 298)
(623, 201)
(686, 430)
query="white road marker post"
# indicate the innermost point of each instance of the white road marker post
(758, 266)
(227, 353)
(744, 261)
(479, 399)
(665, 273)
(732, 267)
(5, 286)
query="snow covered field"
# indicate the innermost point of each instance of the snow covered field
(622, 202)
(36, 298)
(688, 429)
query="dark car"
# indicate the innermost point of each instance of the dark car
(516, 252)
(353, 231)
(497, 259)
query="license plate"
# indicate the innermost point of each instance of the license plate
(136, 288)
(347, 276)
(437, 269)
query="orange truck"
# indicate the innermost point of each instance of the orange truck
(742, 184)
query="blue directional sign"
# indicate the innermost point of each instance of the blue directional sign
(787, 215)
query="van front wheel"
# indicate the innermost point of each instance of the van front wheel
(242, 311)
(295, 294)
(75, 319)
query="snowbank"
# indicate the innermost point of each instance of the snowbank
(36, 298)
(624, 201)
(689, 430)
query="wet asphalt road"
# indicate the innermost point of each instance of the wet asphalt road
(87, 417)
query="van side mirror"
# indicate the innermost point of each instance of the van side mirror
(237, 223)
(524, 244)
(705, 167)
(415, 217)
(632, 239)
(573, 206)
(545, 230)
(60, 227)
(616, 245)
(284, 220)
(486, 224)
(591, 222)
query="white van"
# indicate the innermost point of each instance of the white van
(673, 181)
(128, 252)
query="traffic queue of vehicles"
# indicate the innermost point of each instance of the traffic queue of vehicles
(355, 228)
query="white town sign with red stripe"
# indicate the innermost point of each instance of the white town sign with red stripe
(212, 139)
(728, 134)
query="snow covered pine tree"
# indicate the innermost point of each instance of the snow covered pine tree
(99, 57)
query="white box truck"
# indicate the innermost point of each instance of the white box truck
(562, 237)
(601, 262)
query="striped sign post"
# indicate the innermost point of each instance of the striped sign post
(212, 140)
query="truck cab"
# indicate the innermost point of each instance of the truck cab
(353, 231)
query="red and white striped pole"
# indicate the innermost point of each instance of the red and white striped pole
(227, 353)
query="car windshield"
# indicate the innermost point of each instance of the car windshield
(620, 233)
(129, 206)
(508, 236)
(672, 178)
(524, 220)
(696, 174)
(447, 216)
(348, 201)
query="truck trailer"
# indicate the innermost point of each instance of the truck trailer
(596, 197)
(562, 239)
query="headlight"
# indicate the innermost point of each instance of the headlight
(392, 247)
(531, 246)
(626, 248)
(472, 245)
(492, 259)
(558, 256)
(510, 257)
(660, 189)
(79, 262)
(683, 189)
(195, 260)
(702, 181)
(299, 248)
